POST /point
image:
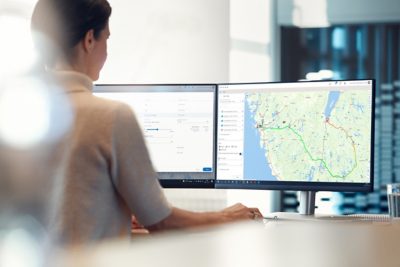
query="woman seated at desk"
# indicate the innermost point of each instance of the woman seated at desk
(109, 175)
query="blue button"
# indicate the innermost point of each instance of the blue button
(207, 169)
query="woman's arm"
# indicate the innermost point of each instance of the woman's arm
(185, 219)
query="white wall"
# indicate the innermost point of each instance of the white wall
(251, 33)
(174, 41)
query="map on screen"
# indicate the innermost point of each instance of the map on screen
(307, 136)
(318, 134)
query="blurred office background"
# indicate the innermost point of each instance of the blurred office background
(203, 41)
(361, 39)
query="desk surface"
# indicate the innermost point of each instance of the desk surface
(276, 243)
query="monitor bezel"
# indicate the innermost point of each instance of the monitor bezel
(181, 183)
(297, 185)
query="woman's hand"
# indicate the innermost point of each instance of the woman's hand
(241, 212)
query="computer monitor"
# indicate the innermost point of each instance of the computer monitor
(303, 136)
(178, 123)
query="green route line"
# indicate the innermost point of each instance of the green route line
(309, 154)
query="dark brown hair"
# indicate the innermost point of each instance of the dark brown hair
(64, 23)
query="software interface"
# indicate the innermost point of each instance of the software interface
(303, 132)
(178, 125)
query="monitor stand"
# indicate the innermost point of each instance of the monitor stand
(307, 203)
(306, 209)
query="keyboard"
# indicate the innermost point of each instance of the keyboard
(282, 216)
(371, 217)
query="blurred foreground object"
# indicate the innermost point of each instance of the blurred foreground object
(35, 119)
(283, 243)
(21, 243)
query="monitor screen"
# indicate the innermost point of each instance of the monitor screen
(307, 136)
(178, 125)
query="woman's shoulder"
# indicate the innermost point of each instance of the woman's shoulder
(112, 106)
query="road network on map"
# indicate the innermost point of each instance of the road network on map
(319, 136)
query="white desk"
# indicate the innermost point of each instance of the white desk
(277, 243)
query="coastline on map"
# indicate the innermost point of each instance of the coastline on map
(256, 164)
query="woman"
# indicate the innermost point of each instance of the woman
(109, 175)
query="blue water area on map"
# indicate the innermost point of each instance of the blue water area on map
(255, 162)
(333, 97)
(310, 175)
(359, 107)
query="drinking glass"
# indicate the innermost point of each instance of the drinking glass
(393, 195)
